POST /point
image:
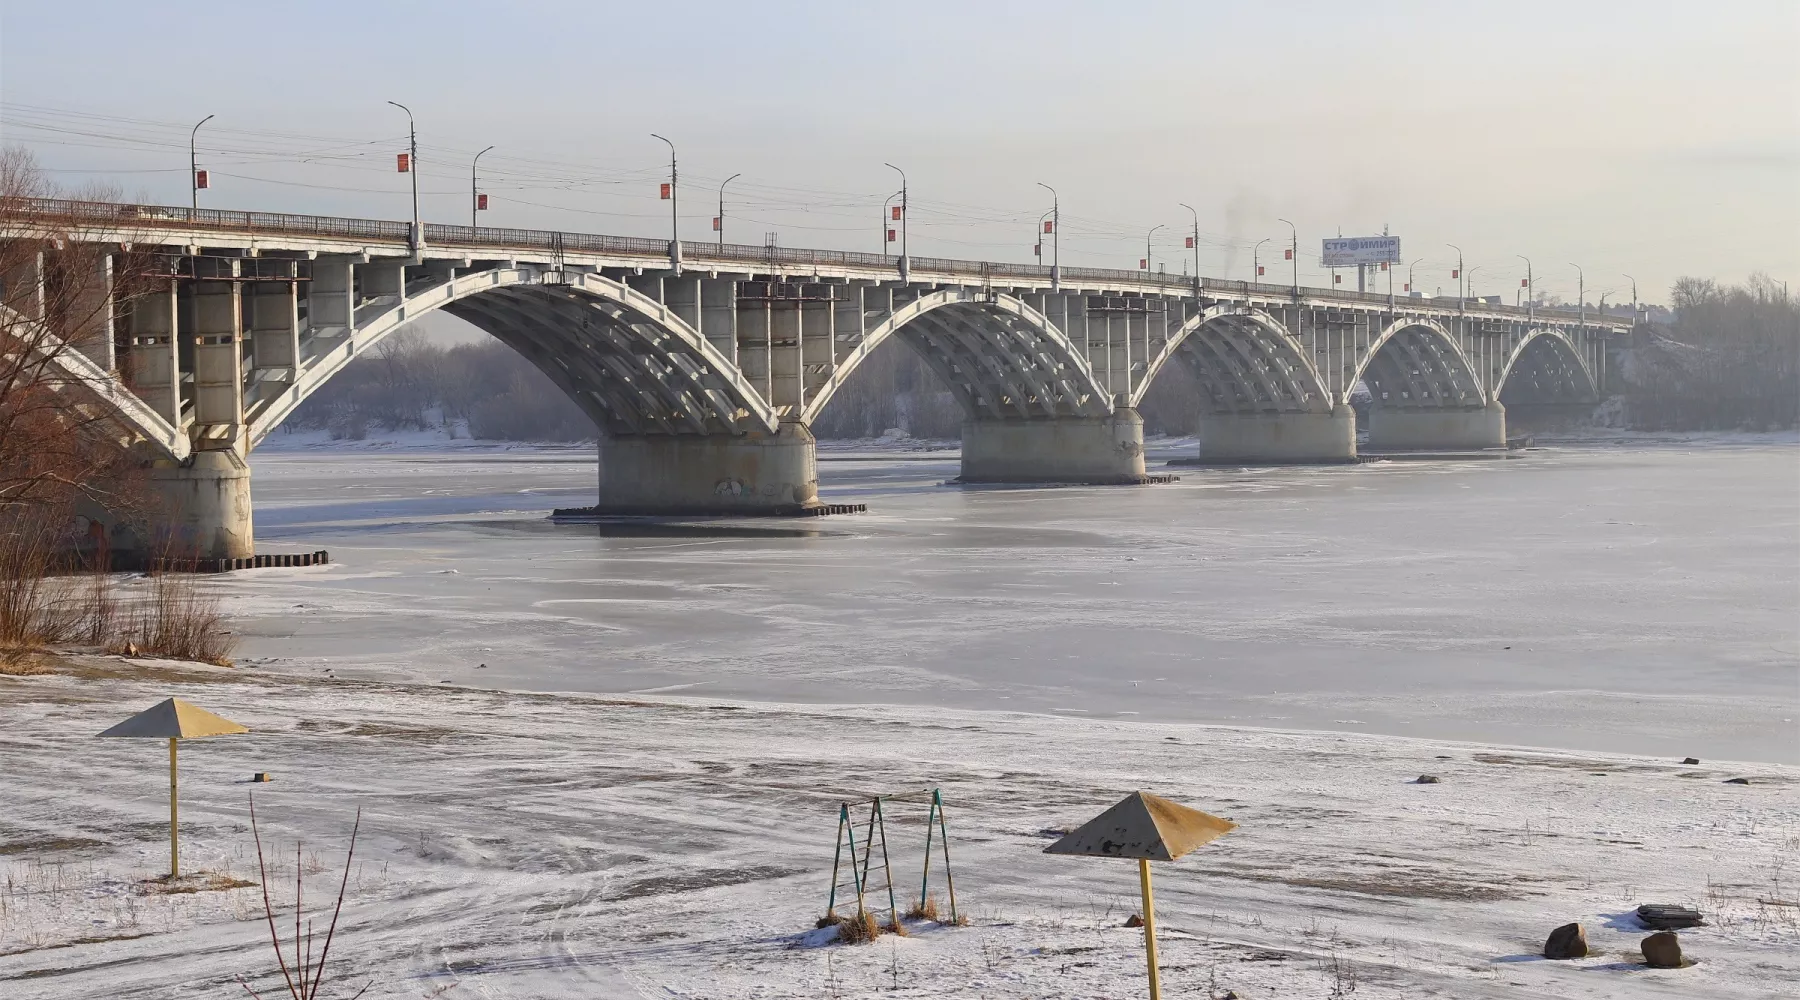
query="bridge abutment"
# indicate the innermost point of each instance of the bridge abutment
(204, 507)
(1396, 429)
(712, 474)
(1279, 438)
(1098, 450)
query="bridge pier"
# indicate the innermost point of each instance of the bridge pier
(1279, 438)
(1098, 450)
(1398, 429)
(204, 507)
(752, 473)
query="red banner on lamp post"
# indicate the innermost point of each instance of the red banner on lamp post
(200, 179)
(665, 191)
(481, 203)
(896, 211)
(404, 162)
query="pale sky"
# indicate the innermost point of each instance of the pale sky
(1648, 138)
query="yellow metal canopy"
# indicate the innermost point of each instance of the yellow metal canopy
(1145, 826)
(174, 719)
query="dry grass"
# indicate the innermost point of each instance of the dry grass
(196, 882)
(928, 910)
(859, 929)
(21, 663)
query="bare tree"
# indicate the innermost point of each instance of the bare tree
(59, 442)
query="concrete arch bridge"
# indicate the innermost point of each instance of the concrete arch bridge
(704, 367)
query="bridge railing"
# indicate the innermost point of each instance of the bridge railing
(128, 218)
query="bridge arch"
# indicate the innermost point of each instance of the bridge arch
(90, 383)
(630, 362)
(997, 355)
(1546, 367)
(1415, 363)
(1245, 361)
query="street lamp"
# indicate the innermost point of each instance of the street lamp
(1147, 238)
(1469, 281)
(720, 222)
(905, 264)
(412, 169)
(1530, 306)
(1055, 236)
(1462, 289)
(474, 188)
(1294, 252)
(1409, 274)
(1580, 297)
(194, 166)
(886, 230)
(1634, 300)
(1256, 260)
(674, 209)
(1196, 216)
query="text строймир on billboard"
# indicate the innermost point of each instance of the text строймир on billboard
(1349, 251)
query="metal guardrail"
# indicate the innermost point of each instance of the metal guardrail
(127, 217)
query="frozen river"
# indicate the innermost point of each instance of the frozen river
(1639, 599)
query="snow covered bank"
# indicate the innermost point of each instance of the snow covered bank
(530, 845)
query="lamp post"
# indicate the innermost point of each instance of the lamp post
(194, 166)
(721, 226)
(1294, 252)
(674, 209)
(1462, 288)
(1469, 282)
(474, 188)
(1038, 235)
(1055, 236)
(1196, 238)
(1147, 238)
(1580, 297)
(905, 263)
(1256, 260)
(1634, 300)
(885, 228)
(1409, 274)
(1530, 306)
(412, 169)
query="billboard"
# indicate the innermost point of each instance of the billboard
(1349, 251)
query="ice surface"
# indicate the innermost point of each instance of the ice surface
(1633, 600)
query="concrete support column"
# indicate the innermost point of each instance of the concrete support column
(218, 359)
(204, 507)
(1100, 450)
(275, 327)
(93, 315)
(1399, 429)
(718, 474)
(1279, 438)
(155, 366)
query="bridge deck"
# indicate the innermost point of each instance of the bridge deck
(275, 232)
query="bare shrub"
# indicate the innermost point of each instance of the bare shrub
(302, 974)
(178, 621)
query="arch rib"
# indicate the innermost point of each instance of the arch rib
(1269, 362)
(376, 326)
(1461, 366)
(1558, 342)
(983, 326)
